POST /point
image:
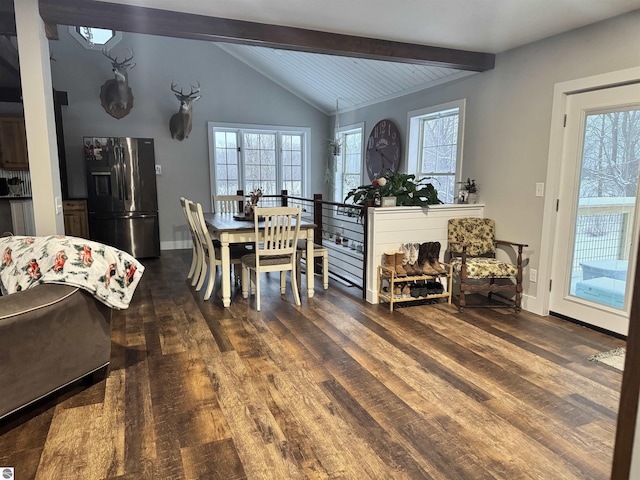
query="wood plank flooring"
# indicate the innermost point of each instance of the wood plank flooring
(336, 388)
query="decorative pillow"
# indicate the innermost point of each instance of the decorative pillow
(111, 275)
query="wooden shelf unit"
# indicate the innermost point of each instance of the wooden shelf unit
(388, 275)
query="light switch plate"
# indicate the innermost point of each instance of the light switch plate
(58, 202)
(158, 169)
(539, 189)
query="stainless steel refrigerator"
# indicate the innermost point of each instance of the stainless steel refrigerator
(121, 194)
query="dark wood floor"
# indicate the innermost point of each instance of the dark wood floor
(336, 388)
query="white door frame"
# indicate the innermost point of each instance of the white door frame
(554, 166)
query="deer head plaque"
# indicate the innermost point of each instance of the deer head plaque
(180, 123)
(115, 93)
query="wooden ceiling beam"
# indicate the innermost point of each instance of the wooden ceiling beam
(152, 21)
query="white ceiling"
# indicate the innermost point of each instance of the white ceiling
(491, 26)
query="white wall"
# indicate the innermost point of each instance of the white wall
(231, 92)
(508, 112)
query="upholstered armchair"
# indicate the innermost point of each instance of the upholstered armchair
(472, 251)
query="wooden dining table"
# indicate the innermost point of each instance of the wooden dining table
(227, 230)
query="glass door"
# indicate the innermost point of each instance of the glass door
(597, 216)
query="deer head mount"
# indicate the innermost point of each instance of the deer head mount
(115, 94)
(180, 123)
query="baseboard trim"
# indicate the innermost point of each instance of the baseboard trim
(176, 245)
(588, 325)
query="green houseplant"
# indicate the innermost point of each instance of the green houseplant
(404, 186)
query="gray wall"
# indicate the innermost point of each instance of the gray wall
(231, 92)
(508, 118)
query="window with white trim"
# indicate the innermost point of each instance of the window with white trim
(348, 165)
(435, 146)
(250, 157)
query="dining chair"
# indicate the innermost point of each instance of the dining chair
(228, 203)
(318, 252)
(196, 256)
(211, 256)
(275, 248)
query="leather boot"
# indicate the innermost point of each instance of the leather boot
(425, 254)
(414, 249)
(409, 265)
(400, 271)
(404, 248)
(434, 255)
(389, 261)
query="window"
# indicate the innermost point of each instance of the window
(348, 165)
(435, 146)
(95, 38)
(250, 157)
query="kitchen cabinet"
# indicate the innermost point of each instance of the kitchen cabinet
(13, 143)
(22, 217)
(76, 222)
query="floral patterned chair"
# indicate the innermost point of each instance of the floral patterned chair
(472, 248)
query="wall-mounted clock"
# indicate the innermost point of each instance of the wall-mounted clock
(383, 149)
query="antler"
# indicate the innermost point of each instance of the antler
(190, 94)
(115, 60)
(193, 92)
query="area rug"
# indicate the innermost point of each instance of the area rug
(614, 358)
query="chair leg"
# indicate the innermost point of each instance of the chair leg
(245, 282)
(294, 284)
(257, 291)
(298, 269)
(213, 270)
(203, 274)
(198, 268)
(325, 270)
(194, 262)
(283, 282)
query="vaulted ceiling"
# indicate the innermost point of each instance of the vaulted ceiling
(356, 51)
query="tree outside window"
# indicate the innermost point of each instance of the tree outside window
(435, 146)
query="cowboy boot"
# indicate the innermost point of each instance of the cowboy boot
(425, 250)
(433, 260)
(404, 249)
(411, 266)
(414, 253)
(400, 271)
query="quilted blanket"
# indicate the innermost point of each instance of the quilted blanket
(111, 275)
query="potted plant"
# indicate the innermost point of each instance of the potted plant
(335, 147)
(408, 190)
(15, 185)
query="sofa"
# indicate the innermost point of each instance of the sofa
(58, 293)
(50, 336)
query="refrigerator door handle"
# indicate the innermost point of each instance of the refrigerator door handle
(124, 177)
(116, 167)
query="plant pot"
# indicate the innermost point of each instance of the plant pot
(472, 198)
(15, 189)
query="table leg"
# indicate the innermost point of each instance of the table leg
(310, 264)
(226, 269)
